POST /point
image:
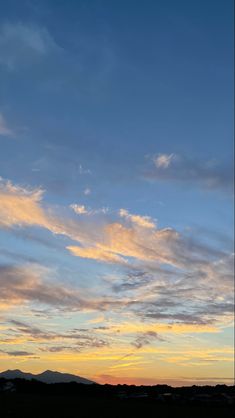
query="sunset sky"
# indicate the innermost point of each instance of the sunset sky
(116, 189)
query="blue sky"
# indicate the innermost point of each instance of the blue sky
(122, 114)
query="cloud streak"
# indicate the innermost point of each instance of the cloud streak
(141, 221)
(21, 284)
(5, 130)
(17, 353)
(58, 341)
(22, 44)
(146, 338)
(206, 174)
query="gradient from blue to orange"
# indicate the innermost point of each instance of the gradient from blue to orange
(116, 191)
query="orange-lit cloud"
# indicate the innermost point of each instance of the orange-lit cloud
(167, 270)
(142, 221)
(19, 206)
(96, 254)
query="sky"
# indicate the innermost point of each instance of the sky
(116, 189)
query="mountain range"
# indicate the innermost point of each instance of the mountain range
(48, 376)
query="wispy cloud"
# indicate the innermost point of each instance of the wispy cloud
(83, 170)
(87, 191)
(56, 341)
(207, 174)
(21, 284)
(146, 338)
(5, 130)
(79, 209)
(98, 254)
(21, 44)
(83, 210)
(142, 221)
(163, 160)
(17, 353)
(168, 275)
(20, 206)
(129, 237)
(35, 284)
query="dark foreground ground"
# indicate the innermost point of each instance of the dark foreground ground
(64, 406)
(33, 399)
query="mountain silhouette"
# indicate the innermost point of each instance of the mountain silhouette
(48, 376)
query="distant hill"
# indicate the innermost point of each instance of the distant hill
(48, 376)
